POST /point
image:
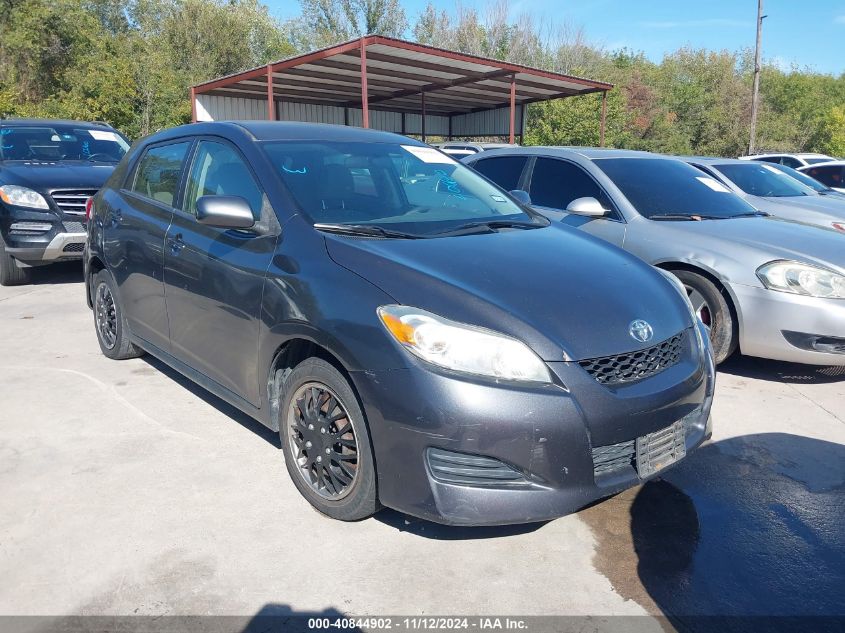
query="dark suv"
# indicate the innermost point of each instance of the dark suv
(418, 338)
(48, 171)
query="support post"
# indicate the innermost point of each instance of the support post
(755, 89)
(193, 105)
(513, 109)
(603, 117)
(271, 100)
(365, 101)
(422, 126)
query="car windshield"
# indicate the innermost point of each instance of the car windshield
(668, 188)
(804, 179)
(55, 143)
(410, 188)
(758, 179)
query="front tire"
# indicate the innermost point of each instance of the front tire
(326, 442)
(712, 308)
(10, 273)
(110, 321)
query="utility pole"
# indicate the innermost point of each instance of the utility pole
(756, 88)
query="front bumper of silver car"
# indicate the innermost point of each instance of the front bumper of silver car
(790, 327)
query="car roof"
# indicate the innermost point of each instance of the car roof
(285, 131)
(39, 122)
(795, 154)
(590, 153)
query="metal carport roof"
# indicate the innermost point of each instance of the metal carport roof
(380, 73)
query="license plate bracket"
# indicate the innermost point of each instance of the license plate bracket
(660, 449)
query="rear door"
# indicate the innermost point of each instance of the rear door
(214, 277)
(133, 237)
(554, 183)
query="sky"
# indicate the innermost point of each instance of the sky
(806, 33)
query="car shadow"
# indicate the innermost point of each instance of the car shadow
(744, 535)
(436, 531)
(249, 423)
(58, 273)
(792, 373)
(281, 618)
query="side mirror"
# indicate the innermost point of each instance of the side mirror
(521, 196)
(588, 206)
(225, 212)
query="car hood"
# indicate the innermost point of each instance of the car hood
(763, 240)
(44, 176)
(830, 205)
(565, 294)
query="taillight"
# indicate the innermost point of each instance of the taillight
(839, 226)
(89, 207)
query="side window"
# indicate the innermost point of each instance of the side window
(791, 162)
(218, 170)
(503, 170)
(768, 159)
(158, 172)
(830, 176)
(556, 183)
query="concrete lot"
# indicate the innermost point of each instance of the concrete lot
(127, 490)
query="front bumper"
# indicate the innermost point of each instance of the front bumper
(546, 433)
(62, 246)
(776, 325)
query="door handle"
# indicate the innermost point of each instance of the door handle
(176, 243)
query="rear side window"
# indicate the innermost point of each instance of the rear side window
(768, 159)
(219, 170)
(503, 170)
(556, 183)
(830, 176)
(158, 172)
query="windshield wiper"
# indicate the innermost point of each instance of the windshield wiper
(691, 217)
(752, 214)
(491, 226)
(365, 229)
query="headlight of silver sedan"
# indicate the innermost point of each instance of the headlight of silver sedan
(802, 279)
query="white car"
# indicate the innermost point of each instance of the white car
(831, 173)
(790, 160)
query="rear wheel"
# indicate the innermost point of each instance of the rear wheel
(109, 320)
(10, 273)
(713, 310)
(326, 442)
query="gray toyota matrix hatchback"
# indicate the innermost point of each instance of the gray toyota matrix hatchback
(418, 338)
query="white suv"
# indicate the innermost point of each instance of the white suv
(790, 160)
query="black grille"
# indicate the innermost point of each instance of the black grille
(471, 470)
(74, 227)
(72, 201)
(633, 366)
(614, 457)
(73, 248)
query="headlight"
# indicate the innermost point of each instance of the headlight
(461, 347)
(22, 197)
(802, 279)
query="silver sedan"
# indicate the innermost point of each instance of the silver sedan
(773, 288)
(769, 189)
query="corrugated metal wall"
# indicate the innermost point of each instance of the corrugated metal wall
(218, 108)
(486, 123)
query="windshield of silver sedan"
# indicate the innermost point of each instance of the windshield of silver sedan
(763, 180)
(669, 189)
(388, 190)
